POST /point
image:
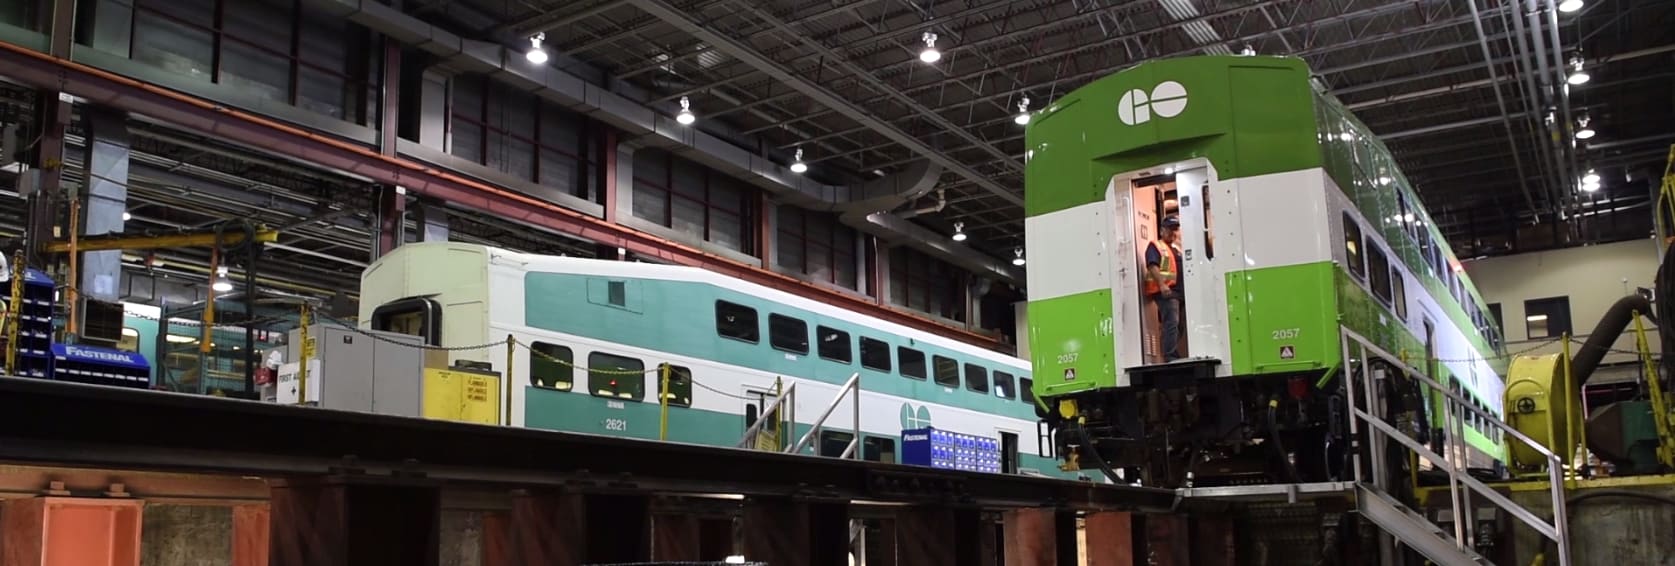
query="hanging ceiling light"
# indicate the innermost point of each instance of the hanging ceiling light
(1583, 131)
(126, 216)
(1248, 51)
(1018, 257)
(685, 117)
(1023, 112)
(959, 231)
(798, 166)
(536, 54)
(1577, 75)
(1590, 181)
(1568, 6)
(222, 285)
(930, 54)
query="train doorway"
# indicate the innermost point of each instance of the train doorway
(1173, 249)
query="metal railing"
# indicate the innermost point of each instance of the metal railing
(1454, 463)
(851, 386)
(785, 401)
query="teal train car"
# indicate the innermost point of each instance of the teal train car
(728, 343)
(175, 365)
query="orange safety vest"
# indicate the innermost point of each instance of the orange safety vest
(1165, 267)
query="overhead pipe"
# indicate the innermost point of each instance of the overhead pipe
(941, 202)
(1534, 102)
(1489, 63)
(1567, 132)
(1555, 130)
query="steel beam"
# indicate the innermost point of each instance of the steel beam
(42, 71)
(343, 522)
(1110, 537)
(686, 22)
(785, 532)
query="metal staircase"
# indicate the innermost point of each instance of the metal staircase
(1372, 493)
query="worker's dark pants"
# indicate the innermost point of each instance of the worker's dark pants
(1169, 315)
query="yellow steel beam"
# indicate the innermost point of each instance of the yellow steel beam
(185, 240)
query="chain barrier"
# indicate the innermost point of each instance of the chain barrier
(1498, 357)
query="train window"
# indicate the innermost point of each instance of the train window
(1398, 291)
(1026, 390)
(1352, 246)
(680, 385)
(1378, 269)
(878, 449)
(737, 322)
(875, 354)
(833, 442)
(1404, 215)
(912, 362)
(976, 378)
(618, 377)
(551, 366)
(947, 371)
(834, 344)
(417, 317)
(1005, 388)
(788, 334)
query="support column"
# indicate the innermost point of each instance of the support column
(434, 88)
(497, 544)
(766, 234)
(608, 185)
(1213, 543)
(42, 185)
(106, 160)
(433, 222)
(568, 529)
(70, 531)
(1030, 538)
(392, 219)
(782, 532)
(715, 539)
(1110, 537)
(883, 544)
(332, 522)
(251, 527)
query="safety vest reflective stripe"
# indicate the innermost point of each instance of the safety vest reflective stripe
(1165, 267)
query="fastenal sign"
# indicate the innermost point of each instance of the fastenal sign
(1167, 100)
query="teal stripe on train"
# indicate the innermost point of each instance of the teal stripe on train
(581, 305)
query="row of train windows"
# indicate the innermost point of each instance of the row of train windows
(790, 335)
(608, 375)
(1366, 257)
(1477, 423)
(1386, 282)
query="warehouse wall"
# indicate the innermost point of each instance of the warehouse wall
(1589, 278)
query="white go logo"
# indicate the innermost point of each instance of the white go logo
(1167, 100)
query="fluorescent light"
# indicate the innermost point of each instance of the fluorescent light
(536, 54)
(177, 339)
(930, 54)
(1536, 317)
(1568, 6)
(735, 559)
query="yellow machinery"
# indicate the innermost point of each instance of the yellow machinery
(1535, 406)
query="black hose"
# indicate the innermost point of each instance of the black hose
(1279, 445)
(1097, 459)
(1610, 327)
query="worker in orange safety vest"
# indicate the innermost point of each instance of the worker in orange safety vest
(1163, 284)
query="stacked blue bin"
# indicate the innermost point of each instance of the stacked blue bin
(950, 450)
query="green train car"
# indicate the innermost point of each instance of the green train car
(1293, 221)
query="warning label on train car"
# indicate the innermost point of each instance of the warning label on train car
(1288, 352)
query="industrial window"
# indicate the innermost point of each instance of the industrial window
(878, 449)
(680, 385)
(1398, 288)
(551, 366)
(1495, 316)
(1005, 388)
(926, 284)
(1547, 318)
(1378, 269)
(737, 322)
(617, 377)
(912, 362)
(976, 378)
(788, 334)
(946, 371)
(875, 354)
(834, 344)
(816, 244)
(1352, 246)
(694, 200)
(1026, 390)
